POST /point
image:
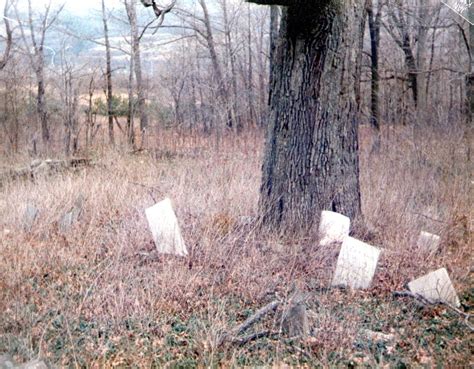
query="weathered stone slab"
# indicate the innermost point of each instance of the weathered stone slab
(333, 227)
(356, 264)
(31, 213)
(435, 286)
(165, 229)
(428, 242)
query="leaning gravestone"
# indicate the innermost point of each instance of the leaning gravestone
(333, 227)
(356, 264)
(428, 242)
(435, 286)
(165, 229)
(31, 213)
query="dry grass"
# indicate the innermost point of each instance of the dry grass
(99, 296)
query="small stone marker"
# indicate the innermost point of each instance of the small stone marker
(31, 213)
(165, 229)
(435, 286)
(295, 321)
(68, 219)
(356, 264)
(333, 227)
(428, 242)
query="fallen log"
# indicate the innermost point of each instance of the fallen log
(42, 167)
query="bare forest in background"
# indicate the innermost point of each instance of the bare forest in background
(209, 73)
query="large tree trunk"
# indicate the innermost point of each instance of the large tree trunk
(311, 155)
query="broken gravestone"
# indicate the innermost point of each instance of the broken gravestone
(31, 213)
(68, 219)
(333, 227)
(435, 287)
(428, 242)
(165, 229)
(356, 264)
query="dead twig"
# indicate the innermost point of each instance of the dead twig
(254, 336)
(148, 188)
(232, 335)
(427, 302)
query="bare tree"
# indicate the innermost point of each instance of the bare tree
(108, 76)
(130, 6)
(9, 35)
(34, 48)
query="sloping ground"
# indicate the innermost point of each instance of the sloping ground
(96, 295)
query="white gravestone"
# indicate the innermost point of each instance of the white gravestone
(333, 227)
(435, 286)
(428, 242)
(165, 229)
(356, 264)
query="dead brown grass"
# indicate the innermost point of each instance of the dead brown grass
(99, 296)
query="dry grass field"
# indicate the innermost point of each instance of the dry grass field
(99, 296)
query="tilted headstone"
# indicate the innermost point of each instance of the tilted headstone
(333, 227)
(165, 229)
(356, 264)
(428, 242)
(31, 213)
(435, 286)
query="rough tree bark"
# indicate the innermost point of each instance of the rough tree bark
(311, 155)
(374, 31)
(470, 76)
